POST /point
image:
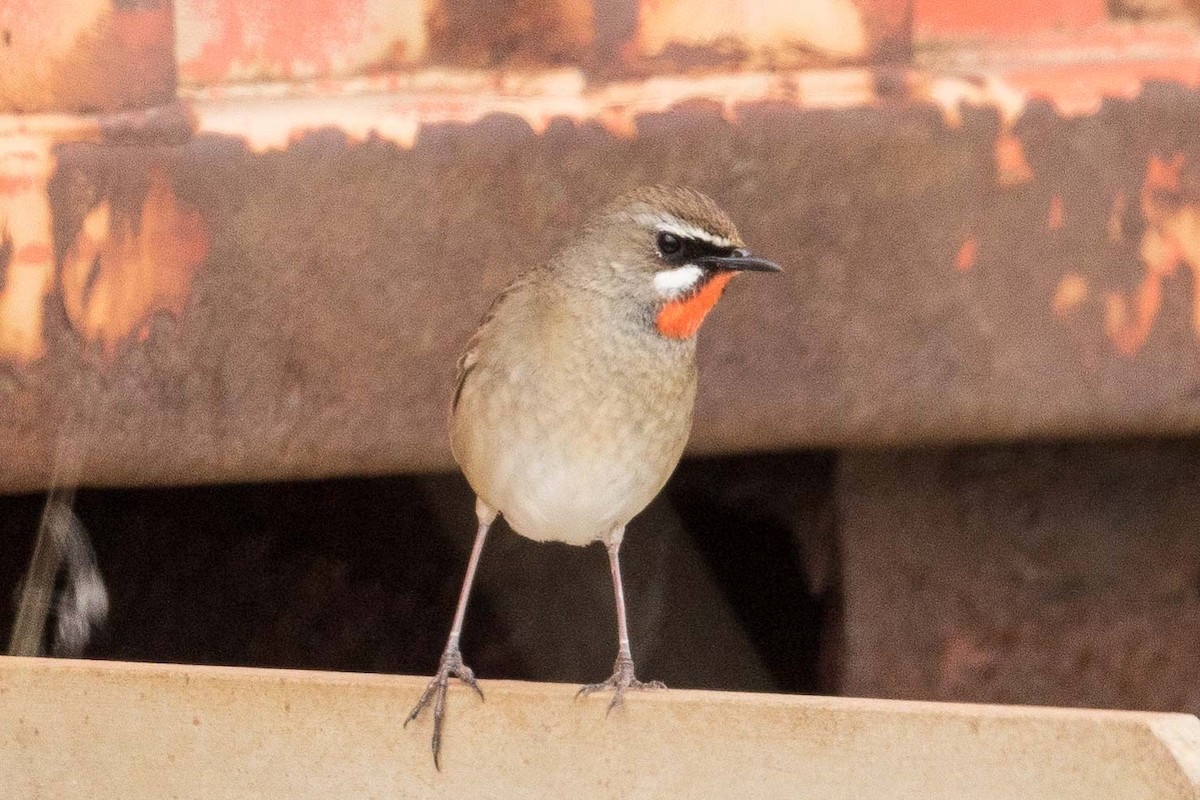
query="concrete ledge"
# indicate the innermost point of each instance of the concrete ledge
(74, 729)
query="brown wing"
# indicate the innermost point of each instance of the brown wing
(470, 356)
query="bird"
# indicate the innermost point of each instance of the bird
(574, 396)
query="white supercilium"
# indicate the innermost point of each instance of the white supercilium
(672, 224)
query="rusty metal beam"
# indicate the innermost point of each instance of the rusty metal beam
(985, 244)
(229, 42)
(264, 306)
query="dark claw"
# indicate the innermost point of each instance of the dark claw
(451, 665)
(622, 678)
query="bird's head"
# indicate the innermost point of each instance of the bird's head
(668, 251)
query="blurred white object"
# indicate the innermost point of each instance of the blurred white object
(62, 545)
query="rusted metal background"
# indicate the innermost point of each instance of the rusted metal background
(991, 239)
(224, 42)
(1061, 574)
(85, 55)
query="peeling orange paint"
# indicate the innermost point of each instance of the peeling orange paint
(396, 105)
(1056, 217)
(395, 108)
(1080, 89)
(1073, 69)
(935, 18)
(1072, 291)
(33, 253)
(84, 55)
(769, 28)
(15, 184)
(27, 144)
(26, 258)
(1161, 176)
(1129, 327)
(950, 94)
(122, 267)
(967, 254)
(1012, 168)
(222, 41)
(1171, 239)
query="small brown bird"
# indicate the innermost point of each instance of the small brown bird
(574, 396)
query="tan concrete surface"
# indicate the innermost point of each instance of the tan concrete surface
(96, 730)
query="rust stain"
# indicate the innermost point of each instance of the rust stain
(1012, 168)
(1171, 239)
(1056, 217)
(26, 257)
(1161, 176)
(965, 260)
(960, 658)
(1072, 291)
(1128, 328)
(1116, 219)
(483, 34)
(124, 267)
(1128, 322)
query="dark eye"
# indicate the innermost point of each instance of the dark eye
(668, 243)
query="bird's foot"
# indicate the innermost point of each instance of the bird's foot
(435, 693)
(622, 679)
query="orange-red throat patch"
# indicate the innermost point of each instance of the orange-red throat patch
(680, 319)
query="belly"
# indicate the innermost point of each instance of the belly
(548, 497)
(573, 479)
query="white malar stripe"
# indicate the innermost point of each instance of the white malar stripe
(671, 282)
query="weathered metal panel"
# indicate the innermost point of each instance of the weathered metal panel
(222, 41)
(258, 306)
(988, 245)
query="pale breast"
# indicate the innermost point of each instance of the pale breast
(571, 437)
